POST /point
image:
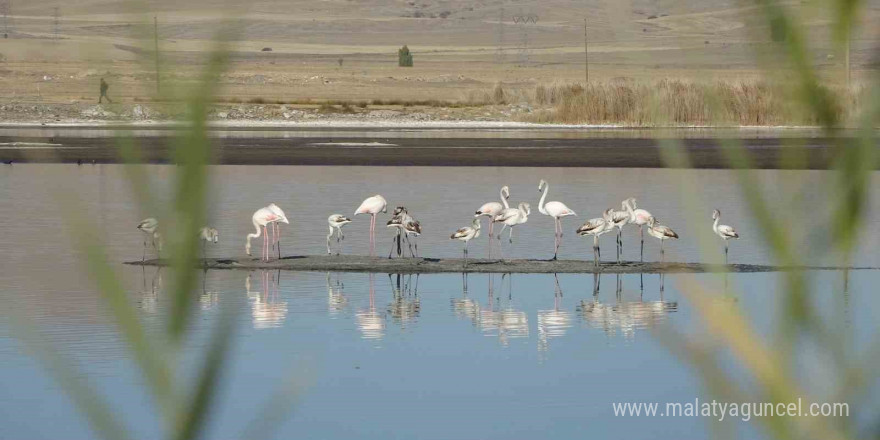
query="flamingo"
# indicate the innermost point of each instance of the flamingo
(414, 228)
(399, 217)
(620, 219)
(724, 231)
(208, 235)
(557, 210)
(150, 227)
(492, 209)
(662, 233)
(597, 227)
(276, 228)
(638, 217)
(336, 222)
(372, 205)
(512, 217)
(261, 218)
(466, 234)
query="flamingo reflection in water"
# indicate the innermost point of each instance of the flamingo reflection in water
(336, 300)
(626, 317)
(267, 310)
(405, 304)
(369, 322)
(504, 321)
(552, 323)
(467, 308)
(149, 302)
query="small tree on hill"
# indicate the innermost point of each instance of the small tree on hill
(404, 57)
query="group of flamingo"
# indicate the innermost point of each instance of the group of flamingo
(267, 223)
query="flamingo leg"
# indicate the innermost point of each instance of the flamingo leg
(372, 236)
(621, 244)
(617, 245)
(510, 235)
(662, 252)
(726, 249)
(491, 224)
(393, 241)
(502, 231)
(642, 248)
(144, 255)
(278, 239)
(596, 250)
(558, 238)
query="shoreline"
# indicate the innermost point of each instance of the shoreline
(434, 144)
(357, 263)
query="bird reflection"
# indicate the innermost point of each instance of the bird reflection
(626, 317)
(504, 321)
(370, 322)
(208, 298)
(336, 300)
(267, 310)
(405, 305)
(552, 323)
(150, 295)
(465, 307)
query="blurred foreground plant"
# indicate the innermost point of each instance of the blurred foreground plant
(776, 369)
(183, 400)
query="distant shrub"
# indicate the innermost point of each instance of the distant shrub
(404, 57)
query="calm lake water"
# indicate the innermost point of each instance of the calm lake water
(433, 356)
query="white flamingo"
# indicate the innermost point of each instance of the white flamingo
(466, 234)
(662, 233)
(208, 235)
(276, 228)
(492, 209)
(512, 217)
(336, 222)
(372, 205)
(724, 231)
(261, 218)
(150, 227)
(638, 217)
(554, 209)
(597, 227)
(620, 219)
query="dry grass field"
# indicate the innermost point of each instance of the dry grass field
(344, 50)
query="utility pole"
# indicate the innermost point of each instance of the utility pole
(846, 59)
(156, 41)
(586, 56)
(56, 23)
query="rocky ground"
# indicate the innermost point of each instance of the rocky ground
(133, 112)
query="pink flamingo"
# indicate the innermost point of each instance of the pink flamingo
(372, 205)
(557, 210)
(261, 218)
(492, 209)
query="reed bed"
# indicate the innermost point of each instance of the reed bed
(672, 102)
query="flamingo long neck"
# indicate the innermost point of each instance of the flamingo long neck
(504, 199)
(715, 224)
(250, 236)
(543, 196)
(630, 209)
